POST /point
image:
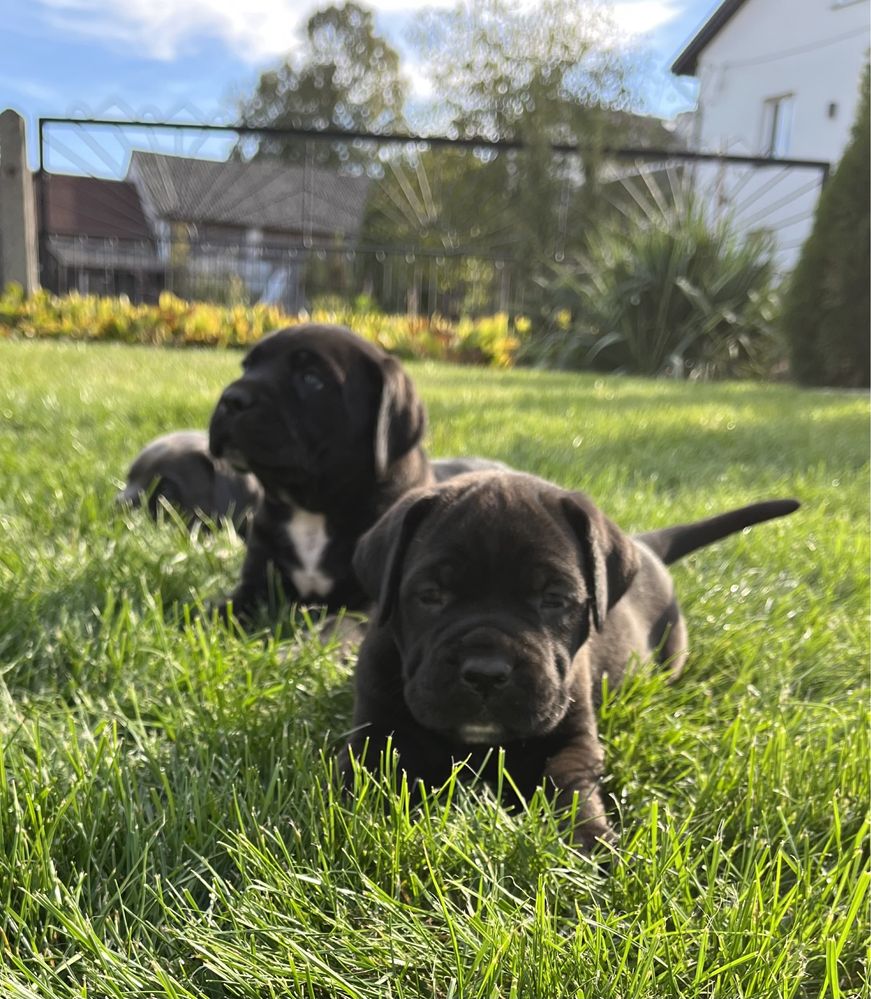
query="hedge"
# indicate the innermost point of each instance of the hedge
(178, 323)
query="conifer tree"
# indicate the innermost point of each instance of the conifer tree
(827, 313)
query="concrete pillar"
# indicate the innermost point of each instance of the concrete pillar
(18, 259)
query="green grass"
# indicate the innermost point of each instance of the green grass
(167, 824)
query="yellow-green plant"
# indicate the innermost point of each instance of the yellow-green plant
(179, 323)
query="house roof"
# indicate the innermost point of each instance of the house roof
(262, 194)
(90, 206)
(685, 64)
(72, 252)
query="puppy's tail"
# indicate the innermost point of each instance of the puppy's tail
(672, 543)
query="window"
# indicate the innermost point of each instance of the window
(776, 125)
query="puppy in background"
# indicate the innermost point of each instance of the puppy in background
(179, 468)
(331, 426)
(502, 603)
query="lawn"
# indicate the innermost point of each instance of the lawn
(167, 817)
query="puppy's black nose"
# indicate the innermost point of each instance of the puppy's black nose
(236, 398)
(485, 673)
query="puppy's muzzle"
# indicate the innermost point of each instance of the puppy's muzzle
(235, 399)
(129, 498)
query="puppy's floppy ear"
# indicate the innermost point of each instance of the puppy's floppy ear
(609, 558)
(401, 418)
(380, 553)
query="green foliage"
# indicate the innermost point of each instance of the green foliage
(177, 323)
(168, 825)
(509, 71)
(672, 292)
(827, 310)
(346, 76)
(541, 75)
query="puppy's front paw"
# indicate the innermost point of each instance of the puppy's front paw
(587, 833)
(586, 818)
(218, 610)
(202, 614)
(232, 610)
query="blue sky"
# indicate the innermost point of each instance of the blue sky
(194, 58)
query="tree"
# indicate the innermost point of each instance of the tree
(827, 312)
(510, 72)
(552, 72)
(450, 208)
(347, 77)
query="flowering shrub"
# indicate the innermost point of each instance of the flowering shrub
(177, 323)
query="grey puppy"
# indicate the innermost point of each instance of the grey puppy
(502, 603)
(179, 468)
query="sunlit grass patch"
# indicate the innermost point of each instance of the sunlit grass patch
(169, 825)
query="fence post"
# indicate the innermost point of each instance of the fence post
(18, 261)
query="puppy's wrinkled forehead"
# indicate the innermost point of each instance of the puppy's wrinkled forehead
(503, 529)
(339, 350)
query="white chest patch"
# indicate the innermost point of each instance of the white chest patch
(307, 533)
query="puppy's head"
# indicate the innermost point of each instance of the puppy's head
(179, 469)
(316, 410)
(490, 584)
(176, 467)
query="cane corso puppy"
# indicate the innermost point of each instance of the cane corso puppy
(502, 602)
(179, 468)
(331, 426)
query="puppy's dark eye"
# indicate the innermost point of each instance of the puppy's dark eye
(308, 380)
(432, 597)
(551, 600)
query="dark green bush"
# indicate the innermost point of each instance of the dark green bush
(826, 311)
(673, 293)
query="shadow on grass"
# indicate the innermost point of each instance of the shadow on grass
(684, 455)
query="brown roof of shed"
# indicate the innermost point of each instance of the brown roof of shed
(90, 206)
(685, 64)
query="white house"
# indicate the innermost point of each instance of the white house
(777, 78)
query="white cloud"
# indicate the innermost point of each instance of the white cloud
(406, 6)
(163, 29)
(639, 17)
(254, 30)
(257, 30)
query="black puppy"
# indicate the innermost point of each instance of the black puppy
(502, 602)
(179, 468)
(331, 426)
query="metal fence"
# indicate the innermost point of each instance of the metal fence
(412, 224)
